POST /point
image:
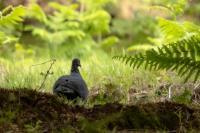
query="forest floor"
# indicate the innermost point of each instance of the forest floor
(25, 110)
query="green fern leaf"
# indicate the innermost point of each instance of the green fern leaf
(12, 16)
(180, 56)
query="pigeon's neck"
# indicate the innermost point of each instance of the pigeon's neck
(74, 69)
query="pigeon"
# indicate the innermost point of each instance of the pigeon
(73, 85)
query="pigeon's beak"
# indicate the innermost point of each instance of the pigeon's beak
(79, 64)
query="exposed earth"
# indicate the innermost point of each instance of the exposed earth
(25, 110)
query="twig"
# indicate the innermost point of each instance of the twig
(52, 60)
(47, 73)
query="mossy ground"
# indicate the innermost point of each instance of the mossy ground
(25, 110)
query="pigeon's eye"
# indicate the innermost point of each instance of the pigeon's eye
(66, 80)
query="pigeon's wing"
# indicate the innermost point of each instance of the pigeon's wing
(66, 85)
(58, 83)
(65, 90)
(81, 87)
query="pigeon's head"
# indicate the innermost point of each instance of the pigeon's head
(76, 62)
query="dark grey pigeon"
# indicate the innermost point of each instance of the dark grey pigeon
(73, 85)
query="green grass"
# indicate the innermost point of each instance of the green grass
(94, 70)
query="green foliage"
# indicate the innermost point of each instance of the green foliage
(10, 29)
(178, 50)
(67, 27)
(135, 30)
(109, 42)
(181, 56)
(36, 12)
(33, 128)
(170, 32)
(56, 28)
(176, 7)
(173, 30)
(96, 22)
(9, 18)
(140, 47)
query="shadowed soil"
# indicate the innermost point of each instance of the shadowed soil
(25, 110)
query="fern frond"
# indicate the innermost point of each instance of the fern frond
(140, 47)
(36, 12)
(173, 30)
(11, 16)
(4, 38)
(181, 56)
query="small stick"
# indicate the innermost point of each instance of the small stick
(52, 60)
(47, 73)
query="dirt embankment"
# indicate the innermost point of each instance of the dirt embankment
(31, 111)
